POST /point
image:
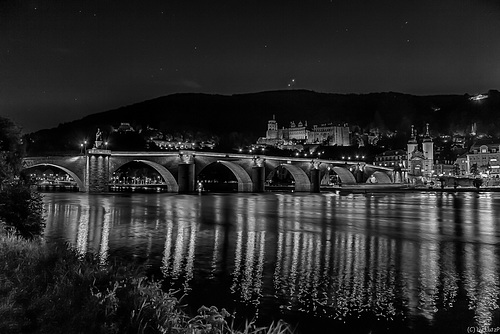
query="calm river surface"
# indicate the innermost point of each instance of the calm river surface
(394, 262)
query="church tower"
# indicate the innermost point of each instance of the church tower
(412, 144)
(428, 150)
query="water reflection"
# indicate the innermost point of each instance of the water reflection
(409, 258)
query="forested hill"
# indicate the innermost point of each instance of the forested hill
(246, 115)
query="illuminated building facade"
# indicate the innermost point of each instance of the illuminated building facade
(325, 134)
(392, 158)
(486, 158)
(420, 157)
(329, 134)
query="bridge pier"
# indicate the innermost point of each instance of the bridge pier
(97, 171)
(186, 178)
(315, 180)
(258, 179)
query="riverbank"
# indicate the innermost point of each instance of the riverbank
(384, 188)
(57, 290)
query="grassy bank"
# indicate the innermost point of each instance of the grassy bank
(47, 290)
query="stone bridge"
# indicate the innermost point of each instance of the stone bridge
(179, 170)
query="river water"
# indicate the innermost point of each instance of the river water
(387, 262)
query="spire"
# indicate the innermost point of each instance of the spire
(427, 136)
(413, 139)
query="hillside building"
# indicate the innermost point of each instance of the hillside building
(297, 132)
(325, 134)
(272, 129)
(330, 135)
(124, 127)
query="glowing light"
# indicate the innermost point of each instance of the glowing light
(478, 97)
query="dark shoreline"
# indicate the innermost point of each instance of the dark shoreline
(398, 189)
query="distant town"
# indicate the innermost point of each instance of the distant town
(424, 154)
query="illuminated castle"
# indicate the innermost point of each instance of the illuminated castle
(326, 134)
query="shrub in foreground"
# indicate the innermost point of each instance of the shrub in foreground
(21, 208)
(55, 290)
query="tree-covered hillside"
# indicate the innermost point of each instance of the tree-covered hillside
(244, 117)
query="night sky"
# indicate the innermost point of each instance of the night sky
(62, 60)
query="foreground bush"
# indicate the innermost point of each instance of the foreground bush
(21, 208)
(45, 290)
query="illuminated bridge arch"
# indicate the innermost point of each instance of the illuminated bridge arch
(244, 181)
(164, 173)
(380, 177)
(345, 175)
(302, 182)
(78, 180)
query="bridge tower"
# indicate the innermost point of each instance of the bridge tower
(97, 171)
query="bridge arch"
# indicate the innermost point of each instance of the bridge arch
(302, 182)
(380, 177)
(345, 175)
(78, 180)
(244, 181)
(169, 179)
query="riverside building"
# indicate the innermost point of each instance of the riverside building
(420, 156)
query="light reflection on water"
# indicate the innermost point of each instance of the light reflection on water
(416, 259)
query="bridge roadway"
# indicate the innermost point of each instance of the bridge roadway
(93, 170)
